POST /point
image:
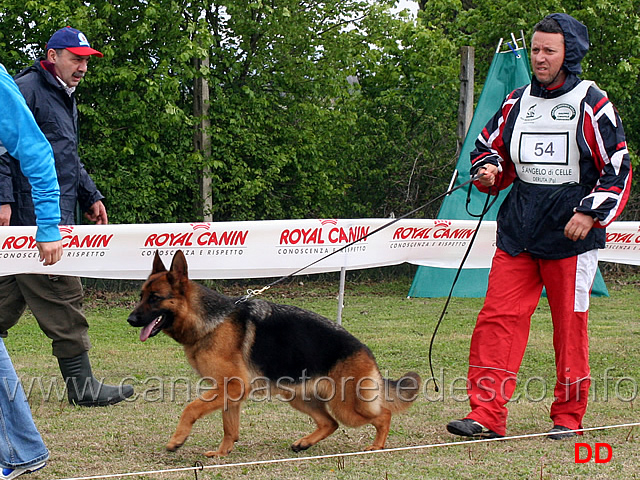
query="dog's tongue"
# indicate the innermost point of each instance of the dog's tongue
(146, 331)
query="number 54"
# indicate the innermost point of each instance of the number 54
(540, 149)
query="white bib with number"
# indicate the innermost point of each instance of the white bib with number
(543, 146)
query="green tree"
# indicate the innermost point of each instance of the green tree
(279, 75)
(405, 147)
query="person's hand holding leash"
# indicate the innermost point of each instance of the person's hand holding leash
(489, 171)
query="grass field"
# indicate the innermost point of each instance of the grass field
(130, 437)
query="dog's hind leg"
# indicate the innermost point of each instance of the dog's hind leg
(231, 427)
(383, 424)
(325, 423)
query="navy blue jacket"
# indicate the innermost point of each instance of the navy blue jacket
(56, 114)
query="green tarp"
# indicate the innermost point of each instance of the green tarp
(509, 70)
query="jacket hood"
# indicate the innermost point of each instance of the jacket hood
(576, 41)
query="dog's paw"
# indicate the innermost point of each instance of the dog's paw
(299, 447)
(216, 453)
(371, 448)
(173, 446)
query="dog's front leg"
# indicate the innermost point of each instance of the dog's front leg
(231, 427)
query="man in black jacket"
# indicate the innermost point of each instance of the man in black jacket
(56, 301)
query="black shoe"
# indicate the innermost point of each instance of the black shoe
(560, 433)
(470, 428)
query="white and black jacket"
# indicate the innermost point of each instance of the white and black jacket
(590, 173)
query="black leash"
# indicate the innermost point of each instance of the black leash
(253, 293)
(485, 209)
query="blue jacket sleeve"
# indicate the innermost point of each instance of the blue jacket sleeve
(22, 138)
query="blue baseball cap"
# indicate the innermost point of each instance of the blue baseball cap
(73, 40)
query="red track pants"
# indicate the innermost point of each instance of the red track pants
(502, 331)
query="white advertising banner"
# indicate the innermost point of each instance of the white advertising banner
(274, 248)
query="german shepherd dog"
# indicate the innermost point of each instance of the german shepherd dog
(241, 345)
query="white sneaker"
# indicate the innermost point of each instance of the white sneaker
(9, 473)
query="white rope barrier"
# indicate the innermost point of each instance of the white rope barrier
(348, 454)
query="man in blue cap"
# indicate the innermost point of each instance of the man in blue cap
(48, 87)
(560, 144)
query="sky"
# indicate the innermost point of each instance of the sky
(410, 4)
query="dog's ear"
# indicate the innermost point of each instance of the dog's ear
(179, 266)
(158, 266)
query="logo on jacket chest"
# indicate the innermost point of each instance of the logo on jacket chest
(563, 112)
(531, 115)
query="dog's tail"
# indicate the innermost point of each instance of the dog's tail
(400, 394)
